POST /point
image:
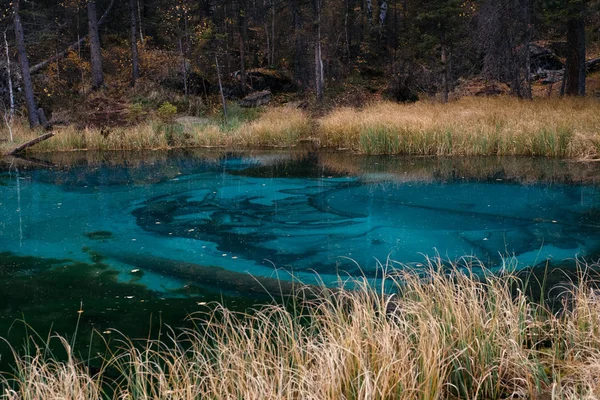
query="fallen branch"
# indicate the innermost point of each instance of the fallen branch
(70, 48)
(30, 143)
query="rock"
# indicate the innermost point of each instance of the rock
(256, 99)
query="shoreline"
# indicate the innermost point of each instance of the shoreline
(558, 128)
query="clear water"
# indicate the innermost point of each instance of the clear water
(169, 233)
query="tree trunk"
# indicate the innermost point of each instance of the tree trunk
(370, 12)
(135, 64)
(210, 9)
(71, 47)
(300, 75)
(139, 20)
(528, 94)
(444, 61)
(183, 69)
(383, 8)
(575, 65)
(95, 50)
(272, 32)
(581, 55)
(319, 78)
(11, 96)
(32, 114)
(242, 43)
(221, 88)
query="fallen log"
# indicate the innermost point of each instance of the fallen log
(30, 143)
(593, 65)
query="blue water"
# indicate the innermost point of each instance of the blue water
(281, 217)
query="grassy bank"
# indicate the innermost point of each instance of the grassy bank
(446, 336)
(276, 127)
(554, 127)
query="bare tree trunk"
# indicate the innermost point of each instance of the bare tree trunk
(221, 88)
(272, 32)
(346, 33)
(73, 46)
(581, 56)
(11, 97)
(383, 8)
(32, 114)
(319, 78)
(299, 56)
(528, 34)
(575, 65)
(211, 9)
(95, 50)
(242, 43)
(268, 43)
(370, 12)
(135, 64)
(444, 61)
(183, 68)
(139, 15)
(8, 118)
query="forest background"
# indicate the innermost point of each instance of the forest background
(107, 63)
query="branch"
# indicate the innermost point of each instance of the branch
(72, 47)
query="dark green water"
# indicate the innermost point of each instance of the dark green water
(140, 240)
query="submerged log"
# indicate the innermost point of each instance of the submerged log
(30, 143)
(256, 99)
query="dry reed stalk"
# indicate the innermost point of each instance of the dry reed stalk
(438, 333)
(556, 127)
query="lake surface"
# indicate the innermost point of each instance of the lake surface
(134, 240)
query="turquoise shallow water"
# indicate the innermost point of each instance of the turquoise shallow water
(184, 229)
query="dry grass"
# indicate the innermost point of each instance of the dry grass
(445, 335)
(277, 127)
(557, 127)
(554, 127)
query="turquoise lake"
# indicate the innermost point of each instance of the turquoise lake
(128, 238)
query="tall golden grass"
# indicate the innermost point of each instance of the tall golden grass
(555, 127)
(276, 127)
(441, 335)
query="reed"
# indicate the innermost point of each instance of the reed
(554, 127)
(443, 334)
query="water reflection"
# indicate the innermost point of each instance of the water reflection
(303, 212)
